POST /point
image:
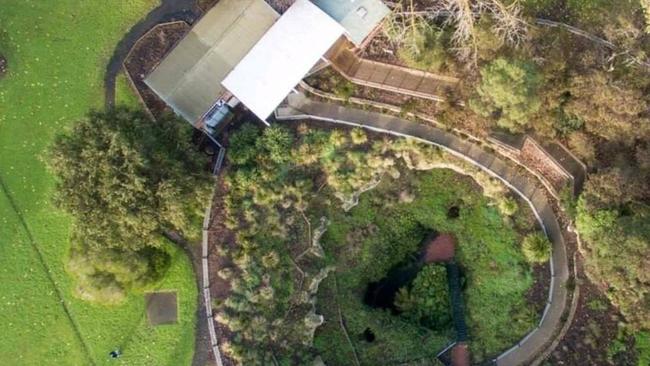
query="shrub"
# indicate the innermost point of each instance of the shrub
(536, 248)
(508, 206)
(425, 48)
(508, 92)
(358, 136)
(583, 147)
(345, 89)
(242, 147)
(276, 142)
(126, 179)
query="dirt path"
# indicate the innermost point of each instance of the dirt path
(169, 10)
(299, 107)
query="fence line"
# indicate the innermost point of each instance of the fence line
(206, 287)
(549, 223)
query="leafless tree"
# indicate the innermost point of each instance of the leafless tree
(510, 24)
(405, 26)
(461, 15)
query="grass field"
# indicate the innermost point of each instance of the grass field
(124, 93)
(382, 232)
(57, 52)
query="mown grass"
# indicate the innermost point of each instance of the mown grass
(124, 93)
(381, 232)
(57, 52)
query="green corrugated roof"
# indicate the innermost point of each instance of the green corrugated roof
(348, 14)
(189, 78)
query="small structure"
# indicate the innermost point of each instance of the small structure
(555, 163)
(162, 307)
(360, 18)
(282, 57)
(244, 51)
(189, 77)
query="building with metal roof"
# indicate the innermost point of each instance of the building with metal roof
(359, 17)
(189, 78)
(244, 51)
(282, 57)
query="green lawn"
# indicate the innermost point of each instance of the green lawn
(382, 232)
(124, 93)
(57, 52)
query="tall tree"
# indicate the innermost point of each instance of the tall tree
(126, 178)
(508, 92)
(609, 109)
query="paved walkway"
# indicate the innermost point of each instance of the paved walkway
(299, 107)
(168, 11)
(391, 77)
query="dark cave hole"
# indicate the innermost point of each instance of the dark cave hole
(453, 212)
(369, 335)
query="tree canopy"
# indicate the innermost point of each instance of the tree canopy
(508, 92)
(125, 179)
(614, 221)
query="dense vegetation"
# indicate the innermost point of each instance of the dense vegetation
(54, 76)
(288, 192)
(592, 96)
(126, 180)
(386, 229)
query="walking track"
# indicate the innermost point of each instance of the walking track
(299, 107)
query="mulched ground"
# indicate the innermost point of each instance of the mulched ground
(593, 330)
(147, 54)
(220, 235)
(206, 5)
(162, 307)
(440, 249)
(460, 355)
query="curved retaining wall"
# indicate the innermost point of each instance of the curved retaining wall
(299, 107)
(214, 342)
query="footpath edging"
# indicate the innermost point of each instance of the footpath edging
(299, 107)
(214, 342)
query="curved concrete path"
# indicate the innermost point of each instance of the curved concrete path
(299, 107)
(167, 11)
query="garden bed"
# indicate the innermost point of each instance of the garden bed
(147, 53)
(308, 240)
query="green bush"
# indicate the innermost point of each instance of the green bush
(425, 49)
(508, 93)
(508, 206)
(642, 347)
(242, 146)
(427, 300)
(126, 180)
(536, 248)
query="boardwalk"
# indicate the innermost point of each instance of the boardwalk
(391, 77)
(300, 108)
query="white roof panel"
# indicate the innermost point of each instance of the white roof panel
(282, 57)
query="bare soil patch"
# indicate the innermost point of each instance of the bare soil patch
(220, 236)
(594, 329)
(147, 53)
(162, 307)
(441, 248)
